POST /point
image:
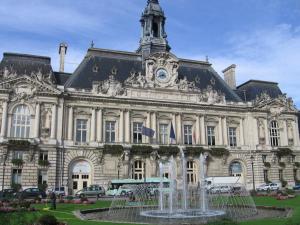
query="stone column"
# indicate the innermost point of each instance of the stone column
(295, 131)
(197, 131)
(53, 122)
(99, 125)
(202, 129)
(127, 127)
(4, 119)
(178, 128)
(242, 140)
(37, 120)
(121, 127)
(225, 132)
(154, 127)
(266, 132)
(284, 135)
(70, 124)
(93, 126)
(220, 132)
(148, 125)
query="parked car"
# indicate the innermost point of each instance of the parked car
(31, 193)
(60, 191)
(7, 193)
(93, 190)
(296, 187)
(268, 187)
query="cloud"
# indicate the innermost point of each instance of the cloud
(270, 54)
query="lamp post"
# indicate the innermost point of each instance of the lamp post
(252, 166)
(3, 172)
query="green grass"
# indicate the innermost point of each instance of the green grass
(64, 212)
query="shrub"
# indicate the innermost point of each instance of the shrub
(297, 164)
(290, 191)
(16, 187)
(267, 164)
(113, 149)
(44, 163)
(17, 162)
(219, 152)
(141, 148)
(223, 222)
(47, 220)
(283, 183)
(282, 164)
(43, 186)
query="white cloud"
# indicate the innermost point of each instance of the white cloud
(270, 54)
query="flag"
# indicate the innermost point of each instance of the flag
(172, 135)
(148, 132)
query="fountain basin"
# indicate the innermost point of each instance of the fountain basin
(183, 214)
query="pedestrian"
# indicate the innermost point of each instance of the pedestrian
(53, 200)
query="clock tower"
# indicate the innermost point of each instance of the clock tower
(153, 35)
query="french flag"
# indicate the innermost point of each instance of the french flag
(172, 135)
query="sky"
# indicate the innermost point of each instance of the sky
(262, 37)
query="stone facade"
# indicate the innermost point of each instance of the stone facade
(56, 126)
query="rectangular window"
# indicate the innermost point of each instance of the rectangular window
(18, 155)
(266, 176)
(211, 138)
(163, 134)
(110, 131)
(43, 177)
(81, 130)
(188, 134)
(137, 133)
(43, 156)
(280, 174)
(232, 136)
(17, 176)
(264, 158)
(75, 185)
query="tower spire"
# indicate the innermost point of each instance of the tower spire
(153, 35)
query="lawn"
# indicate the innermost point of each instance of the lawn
(64, 212)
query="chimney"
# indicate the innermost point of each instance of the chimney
(62, 53)
(229, 76)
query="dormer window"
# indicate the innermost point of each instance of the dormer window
(95, 69)
(274, 133)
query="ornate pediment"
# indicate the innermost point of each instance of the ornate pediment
(110, 87)
(276, 106)
(26, 87)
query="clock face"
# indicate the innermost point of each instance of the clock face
(162, 75)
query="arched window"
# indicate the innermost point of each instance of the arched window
(20, 122)
(235, 169)
(274, 133)
(138, 170)
(191, 172)
(155, 29)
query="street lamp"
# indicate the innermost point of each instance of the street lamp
(3, 172)
(252, 166)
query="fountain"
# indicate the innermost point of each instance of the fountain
(169, 209)
(173, 201)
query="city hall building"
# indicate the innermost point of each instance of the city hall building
(88, 127)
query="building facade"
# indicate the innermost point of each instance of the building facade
(84, 128)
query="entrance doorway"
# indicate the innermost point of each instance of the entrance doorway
(236, 170)
(81, 175)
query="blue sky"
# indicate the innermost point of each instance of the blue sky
(261, 36)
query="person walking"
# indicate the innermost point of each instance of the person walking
(53, 200)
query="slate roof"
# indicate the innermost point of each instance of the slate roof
(125, 62)
(251, 89)
(299, 122)
(25, 64)
(61, 78)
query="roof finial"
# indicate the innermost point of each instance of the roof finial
(92, 44)
(153, 1)
(207, 59)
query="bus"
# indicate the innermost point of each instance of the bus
(124, 187)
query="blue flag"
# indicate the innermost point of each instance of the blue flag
(148, 132)
(172, 135)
